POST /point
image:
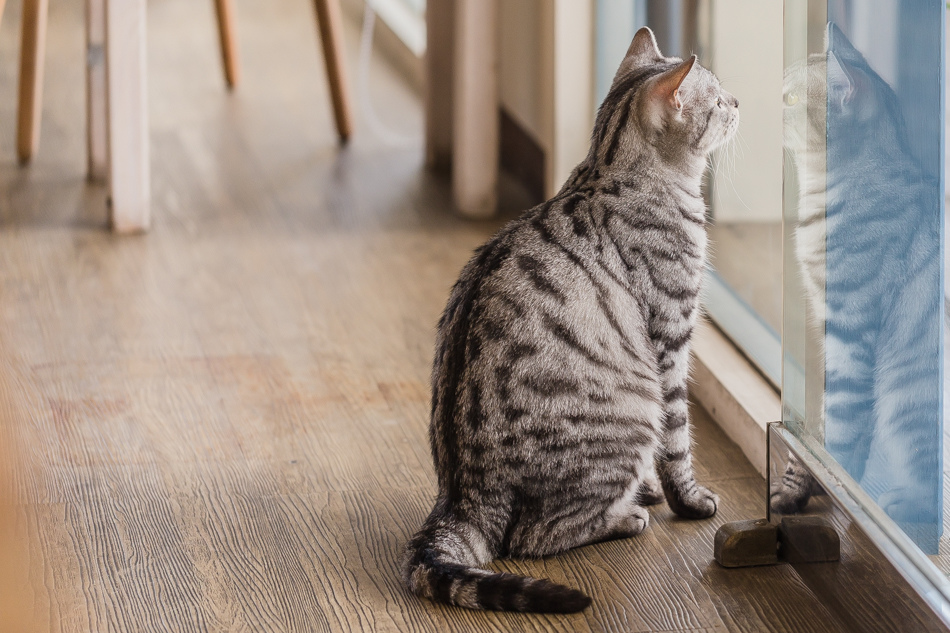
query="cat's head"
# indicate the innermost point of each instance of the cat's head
(666, 106)
(837, 91)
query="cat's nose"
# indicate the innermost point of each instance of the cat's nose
(735, 102)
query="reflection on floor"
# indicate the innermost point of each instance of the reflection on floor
(227, 416)
(748, 256)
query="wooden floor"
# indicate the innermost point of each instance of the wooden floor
(225, 419)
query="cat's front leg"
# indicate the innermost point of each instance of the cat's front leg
(674, 459)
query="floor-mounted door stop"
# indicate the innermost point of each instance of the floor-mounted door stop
(797, 539)
(793, 539)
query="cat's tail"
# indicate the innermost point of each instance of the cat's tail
(440, 564)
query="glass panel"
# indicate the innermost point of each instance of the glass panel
(742, 324)
(864, 292)
(746, 183)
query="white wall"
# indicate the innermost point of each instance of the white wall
(546, 77)
(746, 43)
(519, 62)
(571, 72)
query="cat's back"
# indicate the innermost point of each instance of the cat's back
(549, 264)
(540, 310)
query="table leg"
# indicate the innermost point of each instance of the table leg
(227, 34)
(440, 80)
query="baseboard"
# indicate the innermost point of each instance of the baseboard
(736, 396)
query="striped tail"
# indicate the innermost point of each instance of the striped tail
(436, 566)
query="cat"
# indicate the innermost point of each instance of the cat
(561, 361)
(868, 249)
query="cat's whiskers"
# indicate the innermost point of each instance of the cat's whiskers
(726, 167)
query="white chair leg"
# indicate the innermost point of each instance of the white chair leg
(97, 137)
(475, 120)
(127, 107)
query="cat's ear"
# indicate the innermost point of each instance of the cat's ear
(841, 82)
(837, 41)
(666, 87)
(643, 49)
(663, 102)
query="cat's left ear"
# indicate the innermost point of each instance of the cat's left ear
(643, 50)
(666, 87)
(841, 83)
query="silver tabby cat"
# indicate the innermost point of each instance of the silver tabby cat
(561, 361)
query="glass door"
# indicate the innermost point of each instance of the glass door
(864, 320)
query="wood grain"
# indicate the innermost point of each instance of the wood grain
(862, 586)
(226, 419)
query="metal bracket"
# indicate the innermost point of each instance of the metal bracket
(797, 539)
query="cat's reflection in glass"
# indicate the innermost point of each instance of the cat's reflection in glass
(867, 244)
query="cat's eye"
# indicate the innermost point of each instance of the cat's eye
(791, 99)
(719, 101)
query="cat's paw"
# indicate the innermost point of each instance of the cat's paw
(791, 494)
(634, 523)
(650, 493)
(788, 500)
(696, 503)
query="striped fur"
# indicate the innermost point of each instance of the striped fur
(868, 248)
(559, 383)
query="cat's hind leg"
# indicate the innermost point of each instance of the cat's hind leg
(904, 466)
(651, 491)
(578, 524)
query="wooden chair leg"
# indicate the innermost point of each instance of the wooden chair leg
(97, 136)
(32, 52)
(331, 36)
(228, 36)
